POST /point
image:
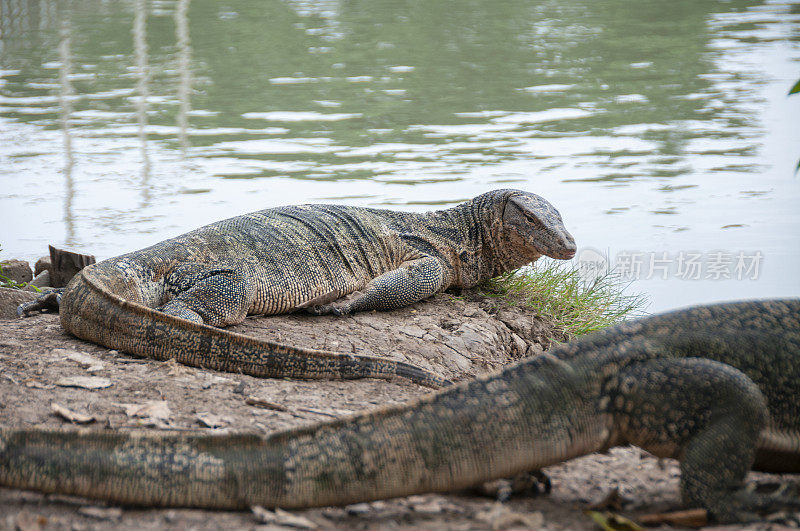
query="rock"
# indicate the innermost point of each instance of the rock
(470, 311)
(65, 264)
(520, 347)
(452, 356)
(530, 327)
(41, 280)
(17, 270)
(534, 349)
(10, 299)
(449, 324)
(474, 336)
(516, 322)
(412, 330)
(42, 264)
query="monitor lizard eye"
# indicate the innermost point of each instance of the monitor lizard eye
(521, 216)
(539, 224)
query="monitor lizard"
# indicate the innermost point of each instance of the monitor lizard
(166, 301)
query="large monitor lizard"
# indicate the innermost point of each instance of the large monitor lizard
(159, 301)
(716, 386)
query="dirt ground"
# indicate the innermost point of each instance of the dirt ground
(456, 337)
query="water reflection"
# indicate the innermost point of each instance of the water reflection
(184, 69)
(65, 96)
(433, 91)
(143, 91)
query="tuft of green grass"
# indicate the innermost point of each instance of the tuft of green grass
(560, 292)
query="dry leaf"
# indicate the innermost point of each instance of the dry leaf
(72, 416)
(90, 363)
(84, 382)
(154, 410)
(281, 517)
(210, 420)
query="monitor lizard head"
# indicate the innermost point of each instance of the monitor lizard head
(530, 224)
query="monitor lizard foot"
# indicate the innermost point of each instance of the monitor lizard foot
(49, 300)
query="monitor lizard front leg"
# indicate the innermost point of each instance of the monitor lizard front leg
(413, 281)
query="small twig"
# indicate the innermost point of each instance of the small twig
(317, 411)
(265, 404)
(687, 518)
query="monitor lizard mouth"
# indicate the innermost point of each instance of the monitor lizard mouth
(561, 252)
(567, 255)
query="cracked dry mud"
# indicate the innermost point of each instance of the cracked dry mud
(454, 337)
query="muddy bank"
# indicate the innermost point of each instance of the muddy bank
(456, 337)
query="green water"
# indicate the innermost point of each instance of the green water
(654, 128)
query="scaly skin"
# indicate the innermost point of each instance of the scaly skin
(164, 301)
(716, 386)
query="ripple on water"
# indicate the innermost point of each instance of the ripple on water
(300, 116)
